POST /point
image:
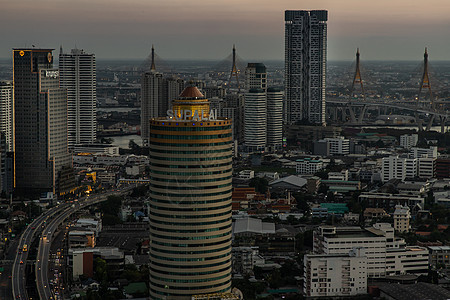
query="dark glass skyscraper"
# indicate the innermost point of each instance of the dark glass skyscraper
(305, 65)
(40, 110)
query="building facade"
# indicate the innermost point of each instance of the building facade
(255, 120)
(190, 200)
(151, 101)
(386, 254)
(274, 118)
(6, 113)
(308, 166)
(401, 218)
(256, 76)
(396, 167)
(40, 108)
(408, 141)
(336, 275)
(305, 65)
(77, 71)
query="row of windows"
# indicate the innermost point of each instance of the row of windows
(189, 196)
(190, 166)
(189, 273)
(188, 145)
(172, 216)
(192, 252)
(187, 201)
(190, 238)
(190, 280)
(191, 188)
(190, 151)
(193, 266)
(190, 180)
(190, 158)
(191, 245)
(165, 294)
(190, 230)
(190, 173)
(196, 259)
(190, 137)
(189, 128)
(190, 209)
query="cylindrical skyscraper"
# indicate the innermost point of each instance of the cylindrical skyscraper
(255, 120)
(190, 200)
(274, 118)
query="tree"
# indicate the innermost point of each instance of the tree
(101, 274)
(260, 184)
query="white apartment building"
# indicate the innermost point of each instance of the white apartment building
(426, 167)
(335, 275)
(408, 141)
(396, 167)
(255, 120)
(343, 175)
(401, 218)
(308, 165)
(6, 114)
(386, 254)
(431, 152)
(338, 145)
(256, 76)
(77, 71)
(274, 118)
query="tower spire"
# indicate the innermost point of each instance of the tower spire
(153, 68)
(234, 69)
(425, 83)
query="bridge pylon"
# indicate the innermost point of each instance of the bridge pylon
(234, 69)
(357, 80)
(425, 82)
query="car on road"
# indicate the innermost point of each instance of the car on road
(21, 262)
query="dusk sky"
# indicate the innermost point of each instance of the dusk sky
(202, 29)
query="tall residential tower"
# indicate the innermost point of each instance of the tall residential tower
(305, 65)
(190, 200)
(40, 135)
(77, 72)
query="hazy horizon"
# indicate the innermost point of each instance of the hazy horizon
(112, 29)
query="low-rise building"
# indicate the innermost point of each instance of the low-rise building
(386, 254)
(439, 256)
(308, 165)
(335, 275)
(81, 239)
(388, 201)
(343, 175)
(408, 141)
(245, 259)
(401, 218)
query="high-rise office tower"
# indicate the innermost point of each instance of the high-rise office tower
(77, 71)
(255, 120)
(305, 65)
(6, 134)
(190, 200)
(151, 98)
(274, 118)
(6, 113)
(40, 114)
(256, 76)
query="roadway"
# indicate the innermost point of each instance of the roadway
(42, 260)
(20, 261)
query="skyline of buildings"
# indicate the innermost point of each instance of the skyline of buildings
(185, 224)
